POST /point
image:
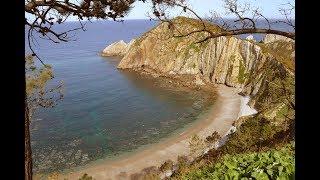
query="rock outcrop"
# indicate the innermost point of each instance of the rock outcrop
(240, 63)
(273, 37)
(119, 48)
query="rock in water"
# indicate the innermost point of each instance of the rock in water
(115, 49)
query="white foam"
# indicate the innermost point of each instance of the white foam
(245, 109)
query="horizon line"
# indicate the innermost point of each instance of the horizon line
(158, 20)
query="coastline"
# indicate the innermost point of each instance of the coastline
(229, 106)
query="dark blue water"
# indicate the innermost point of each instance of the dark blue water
(106, 112)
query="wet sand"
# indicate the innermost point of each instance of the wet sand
(220, 118)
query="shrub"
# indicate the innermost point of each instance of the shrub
(183, 160)
(213, 138)
(273, 164)
(250, 135)
(196, 145)
(166, 166)
(86, 177)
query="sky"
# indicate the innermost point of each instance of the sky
(203, 7)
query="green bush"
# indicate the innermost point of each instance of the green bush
(86, 177)
(167, 165)
(250, 134)
(273, 164)
(213, 138)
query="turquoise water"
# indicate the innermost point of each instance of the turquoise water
(106, 112)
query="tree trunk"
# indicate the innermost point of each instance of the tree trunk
(27, 147)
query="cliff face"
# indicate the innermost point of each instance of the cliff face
(244, 64)
(119, 48)
(264, 71)
(226, 60)
(272, 38)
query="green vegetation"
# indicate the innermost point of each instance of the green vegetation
(282, 51)
(251, 134)
(193, 46)
(36, 77)
(230, 68)
(86, 177)
(278, 90)
(181, 22)
(260, 148)
(213, 138)
(272, 164)
(182, 25)
(242, 75)
(166, 165)
(284, 110)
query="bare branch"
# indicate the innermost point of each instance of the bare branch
(249, 31)
(247, 24)
(47, 13)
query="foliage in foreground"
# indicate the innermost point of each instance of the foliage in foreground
(38, 91)
(272, 164)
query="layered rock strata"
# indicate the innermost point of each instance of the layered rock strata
(171, 49)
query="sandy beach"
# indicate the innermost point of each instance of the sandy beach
(220, 118)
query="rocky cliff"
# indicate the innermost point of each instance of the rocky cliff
(265, 71)
(243, 63)
(119, 48)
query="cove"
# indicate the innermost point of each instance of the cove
(106, 112)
